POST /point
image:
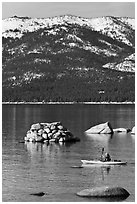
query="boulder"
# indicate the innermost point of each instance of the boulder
(60, 127)
(45, 135)
(57, 135)
(50, 135)
(32, 140)
(36, 126)
(104, 191)
(52, 127)
(40, 132)
(104, 128)
(133, 130)
(26, 139)
(53, 132)
(52, 140)
(39, 139)
(61, 139)
(47, 130)
(31, 135)
(121, 130)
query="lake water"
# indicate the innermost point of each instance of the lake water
(31, 168)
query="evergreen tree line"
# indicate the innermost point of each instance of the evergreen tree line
(72, 89)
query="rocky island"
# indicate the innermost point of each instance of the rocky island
(49, 132)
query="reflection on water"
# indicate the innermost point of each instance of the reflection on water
(45, 149)
(102, 139)
(35, 167)
(105, 171)
(106, 199)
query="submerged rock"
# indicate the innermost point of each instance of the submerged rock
(104, 128)
(104, 191)
(38, 194)
(52, 132)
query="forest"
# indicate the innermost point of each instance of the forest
(70, 88)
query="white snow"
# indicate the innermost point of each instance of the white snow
(38, 60)
(106, 25)
(128, 65)
(74, 38)
(72, 44)
(28, 76)
(129, 21)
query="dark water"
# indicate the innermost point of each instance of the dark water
(32, 168)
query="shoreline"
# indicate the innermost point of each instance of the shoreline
(44, 103)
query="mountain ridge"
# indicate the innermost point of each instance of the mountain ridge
(67, 47)
(93, 23)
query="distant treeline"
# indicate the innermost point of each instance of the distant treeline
(72, 88)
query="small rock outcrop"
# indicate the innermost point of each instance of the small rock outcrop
(121, 130)
(38, 194)
(104, 191)
(133, 130)
(104, 128)
(49, 132)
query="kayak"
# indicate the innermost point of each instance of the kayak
(98, 162)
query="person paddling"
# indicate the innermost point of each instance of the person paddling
(105, 156)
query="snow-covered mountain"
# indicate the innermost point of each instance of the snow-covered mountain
(65, 46)
(111, 26)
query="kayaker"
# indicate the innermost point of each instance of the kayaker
(105, 156)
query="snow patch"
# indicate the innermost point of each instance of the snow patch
(128, 65)
(39, 60)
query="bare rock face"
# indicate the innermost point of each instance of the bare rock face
(125, 130)
(104, 128)
(49, 132)
(104, 191)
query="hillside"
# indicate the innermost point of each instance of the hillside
(68, 58)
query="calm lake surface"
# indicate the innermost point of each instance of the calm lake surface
(31, 168)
